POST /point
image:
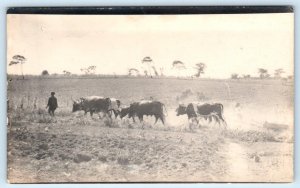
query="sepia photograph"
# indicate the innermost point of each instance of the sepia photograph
(150, 98)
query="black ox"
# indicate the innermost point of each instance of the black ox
(148, 108)
(206, 111)
(92, 104)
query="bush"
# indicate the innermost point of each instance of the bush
(21, 133)
(123, 160)
(250, 136)
(45, 73)
(110, 123)
(201, 96)
(44, 119)
(234, 76)
(185, 94)
(275, 127)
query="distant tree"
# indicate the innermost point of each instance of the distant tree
(133, 71)
(45, 73)
(200, 69)
(92, 69)
(246, 76)
(278, 72)
(84, 70)
(67, 73)
(263, 73)
(148, 61)
(18, 59)
(234, 76)
(89, 70)
(179, 66)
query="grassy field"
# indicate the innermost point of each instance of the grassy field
(72, 147)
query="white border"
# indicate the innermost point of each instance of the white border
(4, 4)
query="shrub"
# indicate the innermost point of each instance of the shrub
(234, 76)
(201, 96)
(45, 73)
(21, 133)
(123, 160)
(250, 136)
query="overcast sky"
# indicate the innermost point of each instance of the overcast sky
(225, 43)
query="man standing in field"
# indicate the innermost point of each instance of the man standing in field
(52, 104)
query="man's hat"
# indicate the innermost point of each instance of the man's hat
(52, 93)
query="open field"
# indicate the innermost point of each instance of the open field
(70, 147)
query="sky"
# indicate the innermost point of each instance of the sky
(226, 43)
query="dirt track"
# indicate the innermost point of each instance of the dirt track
(116, 154)
(74, 153)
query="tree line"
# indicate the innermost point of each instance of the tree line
(151, 70)
(262, 74)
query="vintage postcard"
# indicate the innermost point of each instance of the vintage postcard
(150, 97)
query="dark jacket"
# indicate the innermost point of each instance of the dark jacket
(52, 103)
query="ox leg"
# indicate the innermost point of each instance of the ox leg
(115, 113)
(110, 119)
(217, 120)
(162, 120)
(107, 116)
(100, 116)
(141, 121)
(108, 113)
(223, 120)
(133, 119)
(156, 118)
(199, 124)
(210, 119)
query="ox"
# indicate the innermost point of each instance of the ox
(92, 104)
(145, 107)
(206, 111)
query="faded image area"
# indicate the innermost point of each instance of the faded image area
(150, 98)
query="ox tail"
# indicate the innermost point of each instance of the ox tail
(165, 110)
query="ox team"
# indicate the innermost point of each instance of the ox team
(109, 106)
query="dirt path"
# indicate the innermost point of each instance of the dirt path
(257, 162)
(52, 153)
(236, 156)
